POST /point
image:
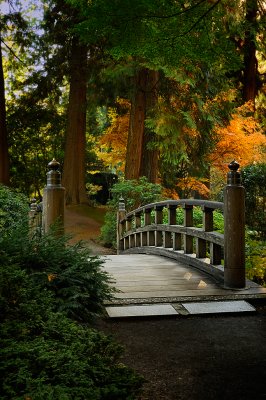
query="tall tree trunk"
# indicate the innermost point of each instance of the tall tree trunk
(136, 126)
(250, 60)
(149, 159)
(141, 161)
(4, 156)
(74, 162)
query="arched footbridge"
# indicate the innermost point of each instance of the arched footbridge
(164, 259)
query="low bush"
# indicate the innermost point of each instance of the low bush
(46, 289)
(45, 355)
(135, 194)
(256, 259)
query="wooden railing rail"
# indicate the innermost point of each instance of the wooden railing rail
(143, 231)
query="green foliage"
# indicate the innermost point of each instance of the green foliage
(253, 179)
(70, 273)
(13, 208)
(135, 193)
(44, 353)
(218, 219)
(256, 259)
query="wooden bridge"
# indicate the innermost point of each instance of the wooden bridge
(162, 262)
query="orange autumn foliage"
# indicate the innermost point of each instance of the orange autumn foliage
(242, 140)
(113, 142)
(189, 185)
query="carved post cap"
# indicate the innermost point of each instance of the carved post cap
(121, 204)
(53, 165)
(54, 175)
(233, 176)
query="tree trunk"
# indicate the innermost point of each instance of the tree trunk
(141, 161)
(4, 157)
(74, 162)
(149, 159)
(136, 127)
(250, 60)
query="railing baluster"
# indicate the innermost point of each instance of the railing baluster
(188, 221)
(137, 225)
(168, 242)
(215, 254)
(201, 244)
(158, 221)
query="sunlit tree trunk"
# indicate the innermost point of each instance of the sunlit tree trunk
(4, 157)
(140, 160)
(250, 60)
(74, 160)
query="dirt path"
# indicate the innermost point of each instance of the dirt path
(79, 222)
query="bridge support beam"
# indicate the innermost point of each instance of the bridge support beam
(234, 230)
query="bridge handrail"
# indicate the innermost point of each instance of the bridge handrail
(200, 247)
(212, 205)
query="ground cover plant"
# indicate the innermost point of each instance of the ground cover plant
(49, 292)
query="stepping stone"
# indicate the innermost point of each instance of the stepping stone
(141, 311)
(216, 307)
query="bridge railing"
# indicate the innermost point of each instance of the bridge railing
(144, 231)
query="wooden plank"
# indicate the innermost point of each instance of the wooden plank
(142, 276)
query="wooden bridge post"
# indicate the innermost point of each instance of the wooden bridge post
(120, 216)
(53, 199)
(234, 230)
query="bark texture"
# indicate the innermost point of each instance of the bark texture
(140, 160)
(250, 60)
(74, 162)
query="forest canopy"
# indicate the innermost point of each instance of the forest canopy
(169, 90)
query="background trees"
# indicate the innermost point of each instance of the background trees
(182, 71)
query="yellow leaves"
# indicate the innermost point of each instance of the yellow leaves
(170, 194)
(113, 143)
(191, 184)
(242, 139)
(51, 277)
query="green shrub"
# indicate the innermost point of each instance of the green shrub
(14, 208)
(74, 276)
(256, 259)
(45, 355)
(253, 179)
(135, 194)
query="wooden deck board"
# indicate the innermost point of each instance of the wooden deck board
(140, 276)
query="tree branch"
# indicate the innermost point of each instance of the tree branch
(12, 51)
(161, 16)
(202, 17)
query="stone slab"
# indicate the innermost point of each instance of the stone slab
(141, 311)
(216, 307)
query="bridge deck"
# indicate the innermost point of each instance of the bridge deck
(154, 279)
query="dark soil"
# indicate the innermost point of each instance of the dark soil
(196, 358)
(220, 357)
